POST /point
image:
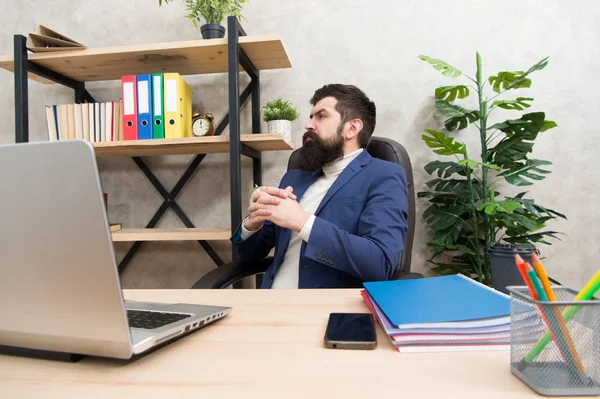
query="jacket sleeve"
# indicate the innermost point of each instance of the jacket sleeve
(373, 253)
(255, 247)
(259, 244)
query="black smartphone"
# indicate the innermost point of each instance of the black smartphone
(351, 331)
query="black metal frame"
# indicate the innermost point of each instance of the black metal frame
(236, 57)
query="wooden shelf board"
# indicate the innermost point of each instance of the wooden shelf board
(186, 57)
(190, 145)
(178, 234)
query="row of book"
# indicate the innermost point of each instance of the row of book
(440, 314)
(153, 106)
(93, 122)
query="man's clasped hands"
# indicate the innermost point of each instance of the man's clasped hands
(276, 205)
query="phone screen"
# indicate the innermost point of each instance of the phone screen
(351, 327)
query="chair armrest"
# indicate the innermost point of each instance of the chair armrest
(227, 274)
(406, 276)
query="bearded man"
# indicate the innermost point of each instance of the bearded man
(341, 218)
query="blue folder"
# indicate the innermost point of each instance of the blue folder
(144, 97)
(445, 299)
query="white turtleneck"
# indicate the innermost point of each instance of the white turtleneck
(287, 275)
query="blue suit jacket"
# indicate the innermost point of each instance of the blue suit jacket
(358, 234)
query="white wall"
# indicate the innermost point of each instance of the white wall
(375, 46)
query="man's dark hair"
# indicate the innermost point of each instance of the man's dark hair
(352, 104)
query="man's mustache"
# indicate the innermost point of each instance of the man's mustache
(310, 134)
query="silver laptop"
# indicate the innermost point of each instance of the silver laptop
(59, 284)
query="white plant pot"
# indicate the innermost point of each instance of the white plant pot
(281, 126)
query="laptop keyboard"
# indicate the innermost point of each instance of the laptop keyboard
(151, 320)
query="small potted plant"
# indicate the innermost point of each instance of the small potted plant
(213, 12)
(279, 115)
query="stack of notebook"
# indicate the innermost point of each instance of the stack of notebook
(436, 314)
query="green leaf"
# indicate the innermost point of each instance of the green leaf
(473, 164)
(446, 238)
(444, 169)
(451, 93)
(517, 220)
(493, 207)
(536, 209)
(440, 218)
(509, 80)
(533, 238)
(529, 123)
(515, 80)
(444, 198)
(548, 125)
(459, 116)
(518, 142)
(491, 166)
(443, 67)
(519, 104)
(530, 169)
(449, 185)
(470, 163)
(442, 144)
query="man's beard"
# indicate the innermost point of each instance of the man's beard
(316, 153)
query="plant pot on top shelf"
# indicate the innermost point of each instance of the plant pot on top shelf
(279, 115)
(213, 12)
(212, 31)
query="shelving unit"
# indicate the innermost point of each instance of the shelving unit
(234, 54)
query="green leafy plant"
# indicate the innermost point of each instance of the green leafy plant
(279, 109)
(212, 11)
(466, 212)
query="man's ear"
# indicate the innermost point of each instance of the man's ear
(354, 127)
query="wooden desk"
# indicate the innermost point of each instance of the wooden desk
(269, 346)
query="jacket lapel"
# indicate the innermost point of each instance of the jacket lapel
(353, 168)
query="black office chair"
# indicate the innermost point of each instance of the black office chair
(378, 147)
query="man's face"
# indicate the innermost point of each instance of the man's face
(323, 141)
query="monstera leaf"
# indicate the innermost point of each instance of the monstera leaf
(442, 144)
(441, 218)
(459, 116)
(530, 124)
(509, 80)
(493, 207)
(519, 104)
(515, 80)
(530, 170)
(473, 164)
(451, 93)
(548, 125)
(444, 169)
(443, 67)
(535, 209)
(534, 237)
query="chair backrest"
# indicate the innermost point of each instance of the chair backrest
(389, 150)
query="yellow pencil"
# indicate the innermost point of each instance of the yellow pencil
(541, 272)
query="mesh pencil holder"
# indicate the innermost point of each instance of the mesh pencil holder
(563, 360)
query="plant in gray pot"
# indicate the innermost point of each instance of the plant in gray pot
(213, 12)
(475, 230)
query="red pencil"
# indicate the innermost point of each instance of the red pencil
(521, 265)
